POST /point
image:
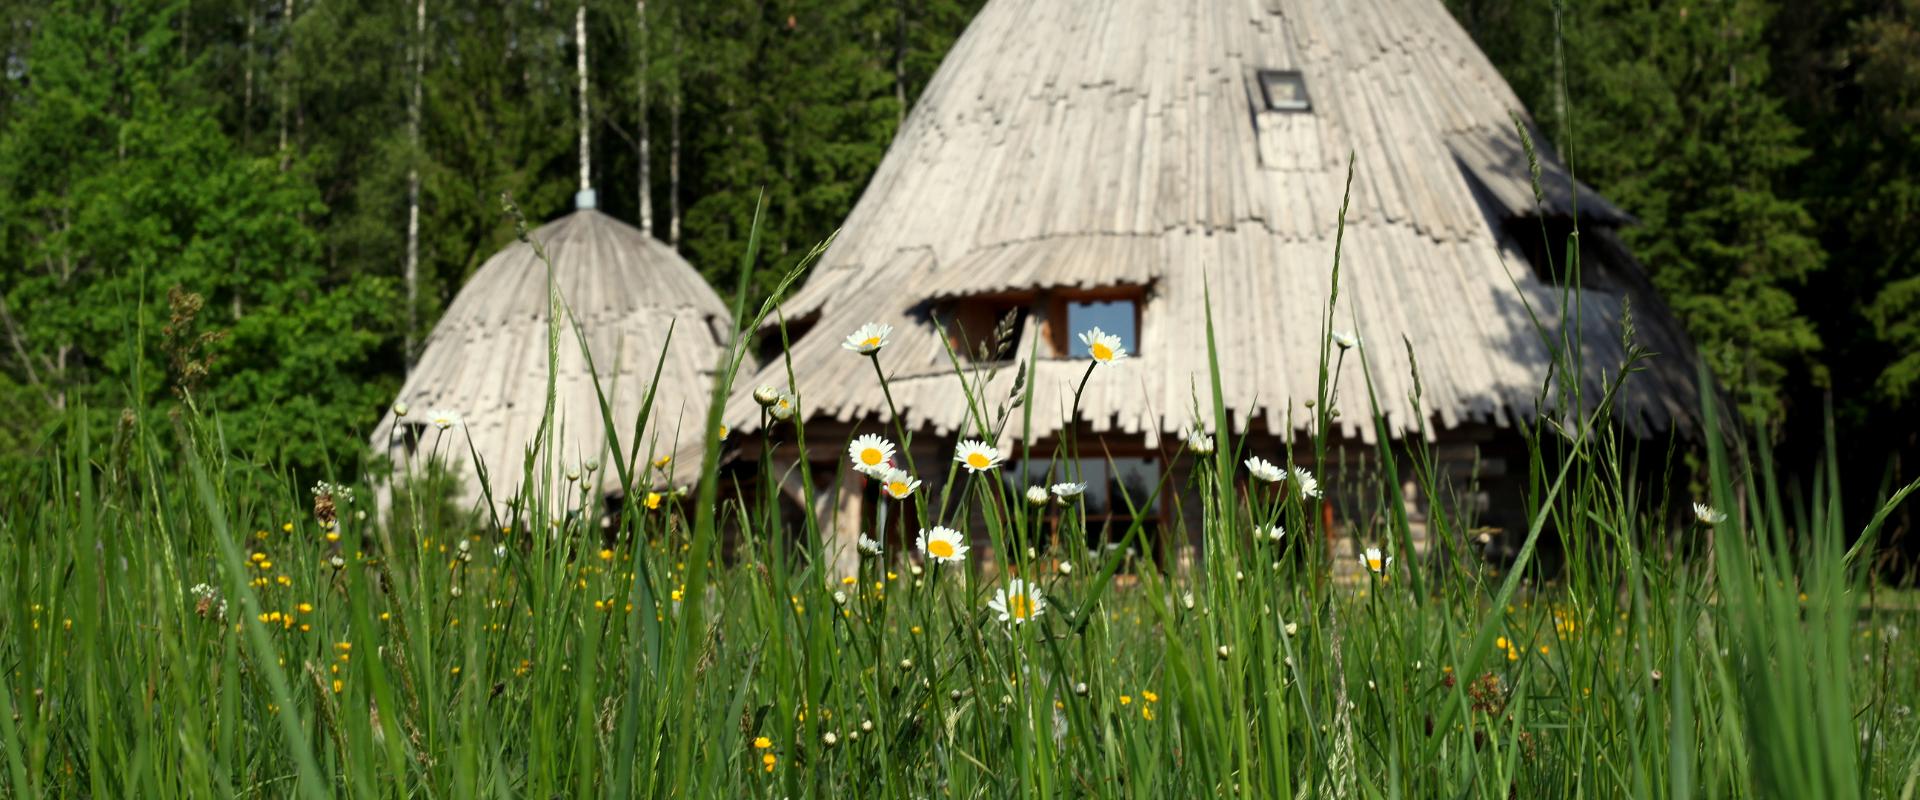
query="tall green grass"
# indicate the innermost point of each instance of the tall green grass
(525, 658)
(710, 649)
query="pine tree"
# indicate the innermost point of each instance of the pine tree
(1668, 111)
(499, 118)
(1860, 62)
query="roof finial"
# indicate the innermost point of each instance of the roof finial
(584, 198)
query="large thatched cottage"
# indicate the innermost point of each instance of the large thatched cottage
(1076, 163)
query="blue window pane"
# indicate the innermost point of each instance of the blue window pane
(1117, 317)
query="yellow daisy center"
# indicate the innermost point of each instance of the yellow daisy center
(898, 489)
(872, 456)
(941, 548)
(978, 460)
(1373, 564)
(871, 341)
(1019, 606)
(1101, 352)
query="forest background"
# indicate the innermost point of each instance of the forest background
(219, 192)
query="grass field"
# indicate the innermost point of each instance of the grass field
(179, 621)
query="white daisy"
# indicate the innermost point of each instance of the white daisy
(1068, 491)
(1309, 486)
(1037, 495)
(1345, 340)
(1265, 470)
(765, 395)
(898, 484)
(444, 418)
(942, 544)
(1375, 562)
(1708, 515)
(400, 408)
(977, 455)
(870, 453)
(1199, 441)
(1271, 533)
(869, 338)
(868, 546)
(1103, 347)
(783, 406)
(1018, 602)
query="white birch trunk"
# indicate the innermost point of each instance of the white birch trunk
(646, 146)
(286, 89)
(673, 152)
(580, 60)
(414, 108)
(673, 177)
(900, 60)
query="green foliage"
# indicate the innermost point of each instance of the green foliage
(1850, 72)
(802, 104)
(499, 119)
(1896, 320)
(115, 193)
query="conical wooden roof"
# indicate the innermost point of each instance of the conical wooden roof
(487, 357)
(1071, 145)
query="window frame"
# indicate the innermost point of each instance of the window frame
(1059, 333)
(1266, 77)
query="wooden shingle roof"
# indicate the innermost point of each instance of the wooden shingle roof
(487, 357)
(1084, 144)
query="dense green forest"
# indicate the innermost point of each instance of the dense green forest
(263, 155)
(265, 158)
(1771, 152)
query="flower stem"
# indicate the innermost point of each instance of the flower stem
(899, 427)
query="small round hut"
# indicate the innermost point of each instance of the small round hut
(487, 358)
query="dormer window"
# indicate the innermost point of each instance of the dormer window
(1285, 90)
(1114, 310)
(986, 329)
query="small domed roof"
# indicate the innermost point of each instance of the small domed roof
(487, 358)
